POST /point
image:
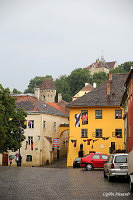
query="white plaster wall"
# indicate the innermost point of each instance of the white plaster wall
(42, 149)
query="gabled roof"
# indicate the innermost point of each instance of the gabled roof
(100, 64)
(111, 64)
(60, 106)
(32, 104)
(99, 97)
(48, 83)
(88, 87)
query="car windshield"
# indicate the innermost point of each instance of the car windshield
(121, 159)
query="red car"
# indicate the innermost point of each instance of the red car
(93, 160)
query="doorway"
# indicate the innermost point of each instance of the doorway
(4, 159)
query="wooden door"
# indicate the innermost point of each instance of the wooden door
(5, 160)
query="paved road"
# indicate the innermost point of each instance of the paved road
(61, 163)
(25, 183)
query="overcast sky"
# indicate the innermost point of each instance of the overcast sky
(53, 37)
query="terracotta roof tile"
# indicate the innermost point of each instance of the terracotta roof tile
(32, 104)
(60, 106)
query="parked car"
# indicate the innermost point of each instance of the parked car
(115, 166)
(77, 162)
(93, 160)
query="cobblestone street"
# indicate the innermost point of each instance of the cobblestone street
(25, 183)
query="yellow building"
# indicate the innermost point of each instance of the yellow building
(88, 88)
(96, 123)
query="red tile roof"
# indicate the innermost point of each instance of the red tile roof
(99, 64)
(60, 106)
(31, 104)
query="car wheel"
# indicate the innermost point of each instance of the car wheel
(74, 166)
(131, 186)
(105, 176)
(89, 167)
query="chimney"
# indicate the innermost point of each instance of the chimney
(86, 84)
(94, 85)
(37, 92)
(108, 87)
(110, 76)
(59, 97)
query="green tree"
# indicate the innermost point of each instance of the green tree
(10, 119)
(123, 68)
(37, 81)
(15, 91)
(62, 86)
(77, 79)
(99, 77)
(127, 66)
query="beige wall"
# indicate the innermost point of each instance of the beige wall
(79, 94)
(42, 149)
(96, 70)
(48, 95)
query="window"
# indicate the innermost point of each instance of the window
(30, 140)
(84, 115)
(44, 124)
(31, 124)
(98, 114)
(54, 125)
(118, 133)
(98, 133)
(104, 157)
(118, 114)
(96, 157)
(29, 158)
(121, 159)
(84, 133)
